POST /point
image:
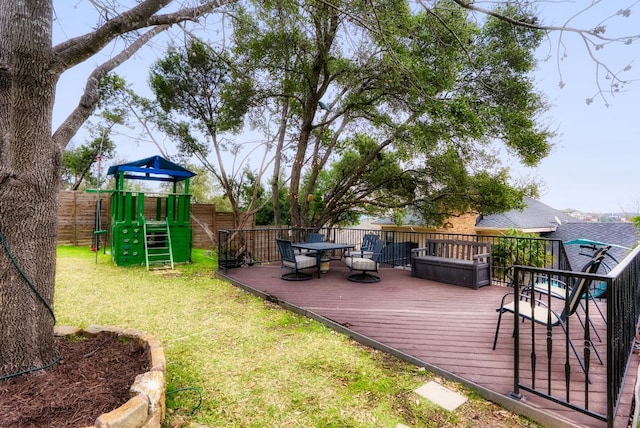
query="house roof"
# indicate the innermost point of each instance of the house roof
(621, 235)
(153, 168)
(536, 217)
(553, 224)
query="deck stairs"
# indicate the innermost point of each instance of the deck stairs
(157, 245)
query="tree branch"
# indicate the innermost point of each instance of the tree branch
(78, 49)
(594, 39)
(91, 96)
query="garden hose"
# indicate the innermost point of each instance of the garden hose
(26, 278)
(190, 388)
(42, 299)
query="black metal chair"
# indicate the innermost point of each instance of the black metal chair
(539, 312)
(314, 237)
(365, 262)
(558, 289)
(295, 262)
(311, 237)
(366, 248)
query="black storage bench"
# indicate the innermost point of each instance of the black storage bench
(464, 263)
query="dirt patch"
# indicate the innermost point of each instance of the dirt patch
(93, 378)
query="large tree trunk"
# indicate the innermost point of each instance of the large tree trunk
(29, 180)
(30, 158)
(275, 181)
(326, 27)
(296, 168)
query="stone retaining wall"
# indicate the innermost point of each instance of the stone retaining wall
(146, 407)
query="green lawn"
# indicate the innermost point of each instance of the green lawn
(253, 363)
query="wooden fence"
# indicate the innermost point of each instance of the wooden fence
(77, 220)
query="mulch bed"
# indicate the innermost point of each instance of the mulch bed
(93, 378)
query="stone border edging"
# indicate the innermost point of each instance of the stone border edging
(146, 407)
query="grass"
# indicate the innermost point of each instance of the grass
(253, 364)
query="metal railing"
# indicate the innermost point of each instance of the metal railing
(533, 363)
(623, 315)
(248, 246)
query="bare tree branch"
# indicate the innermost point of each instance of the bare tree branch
(91, 96)
(596, 32)
(78, 49)
(593, 38)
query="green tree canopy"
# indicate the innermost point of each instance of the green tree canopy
(432, 89)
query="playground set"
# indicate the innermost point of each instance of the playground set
(151, 229)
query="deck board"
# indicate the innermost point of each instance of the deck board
(443, 326)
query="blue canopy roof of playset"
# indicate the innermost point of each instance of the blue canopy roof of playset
(154, 168)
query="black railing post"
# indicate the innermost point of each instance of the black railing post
(223, 247)
(516, 336)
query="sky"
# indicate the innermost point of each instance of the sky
(597, 148)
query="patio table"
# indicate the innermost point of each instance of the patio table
(320, 248)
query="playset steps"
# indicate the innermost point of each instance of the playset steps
(157, 245)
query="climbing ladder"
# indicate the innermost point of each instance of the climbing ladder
(157, 245)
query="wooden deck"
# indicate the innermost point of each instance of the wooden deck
(446, 328)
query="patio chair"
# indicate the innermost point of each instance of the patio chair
(558, 289)
(365, 263)
(369, 241)
(538, 311)
(311, 237)
(295, 262)
(315, 237)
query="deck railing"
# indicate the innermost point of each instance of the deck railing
(623, 310)
(239, 246)
(533, 363)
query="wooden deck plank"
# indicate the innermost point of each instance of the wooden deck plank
(444, 326)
